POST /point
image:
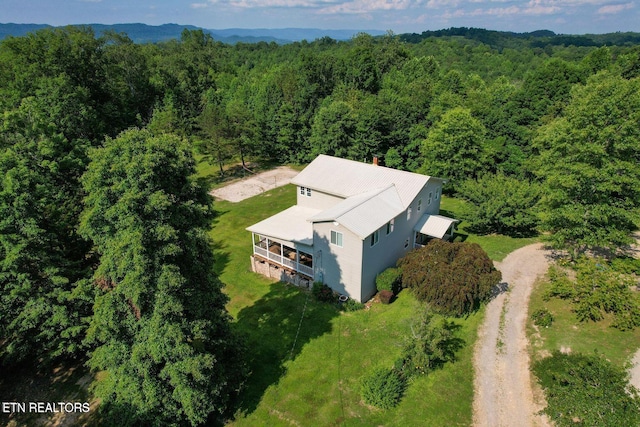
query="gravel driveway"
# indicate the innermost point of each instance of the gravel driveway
(503, 390)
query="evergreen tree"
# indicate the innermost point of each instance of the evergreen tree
(161, 330)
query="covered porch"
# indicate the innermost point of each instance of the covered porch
(278, 252)
(433, 227)
(285, 240)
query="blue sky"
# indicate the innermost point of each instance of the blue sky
(400, 16)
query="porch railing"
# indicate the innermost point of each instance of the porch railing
(286, 261)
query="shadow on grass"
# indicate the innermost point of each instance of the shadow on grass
(459, 237)
(276, 330)
(66, 381)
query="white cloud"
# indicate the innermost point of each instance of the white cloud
(615, 8)
(265, 4)
(368, 6)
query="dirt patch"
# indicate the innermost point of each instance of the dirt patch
(504, 395)
(255, 184)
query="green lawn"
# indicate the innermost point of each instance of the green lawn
(316, 380)
(583, 337)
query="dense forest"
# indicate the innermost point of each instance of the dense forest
(103, 248)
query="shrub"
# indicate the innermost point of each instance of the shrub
(352, 305)
(323, 292)
(542, 317)
(587, 391)
(388, 280)
(626, 265)
(385, 296)
(383, 388)
(455, 278)
(432, 343)
(596, 291)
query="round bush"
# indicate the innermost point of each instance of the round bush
(388, 280)
(385, 296)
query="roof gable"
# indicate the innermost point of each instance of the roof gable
(347, 178)
(364, 213)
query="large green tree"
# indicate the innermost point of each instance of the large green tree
(160, 329)
(43, 261)
(454, 148)
(590, 163)
(501, 204)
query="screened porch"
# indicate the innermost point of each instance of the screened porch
(281, 254)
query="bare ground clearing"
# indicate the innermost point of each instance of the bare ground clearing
(255, 184)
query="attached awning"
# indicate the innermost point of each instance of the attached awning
(434, 225)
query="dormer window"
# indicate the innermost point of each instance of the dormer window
(305, 191)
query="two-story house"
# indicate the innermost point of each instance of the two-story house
(352, 220)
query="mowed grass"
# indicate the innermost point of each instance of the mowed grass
(307, 358)
(568, 333)
(497, 246)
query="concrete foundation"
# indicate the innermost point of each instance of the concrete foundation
(272, 271)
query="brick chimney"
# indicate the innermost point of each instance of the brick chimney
(375, 160)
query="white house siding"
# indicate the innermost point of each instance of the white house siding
(317, 200)
(338, 267)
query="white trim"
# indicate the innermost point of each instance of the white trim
(390, 226)
(375, 237)
(339, 238)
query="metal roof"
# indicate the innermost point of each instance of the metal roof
(347, 178)
(364, 213)
(291, 225)
(434, 225)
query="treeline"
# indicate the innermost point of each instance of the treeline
(102, 247)
(534, 39)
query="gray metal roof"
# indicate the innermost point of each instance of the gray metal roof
(291, 225)
(346, 178)
(364, 213)
(434, 225)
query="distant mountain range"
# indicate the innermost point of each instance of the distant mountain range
(142, 33)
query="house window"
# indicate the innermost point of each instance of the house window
(390, 226)
(408, 214)
(420, 205)
(437, 193)
(406, 243)
(336, 238)
(429, 200)
(308, 192)
(305, 191)
(302, 191)
(375, 237)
